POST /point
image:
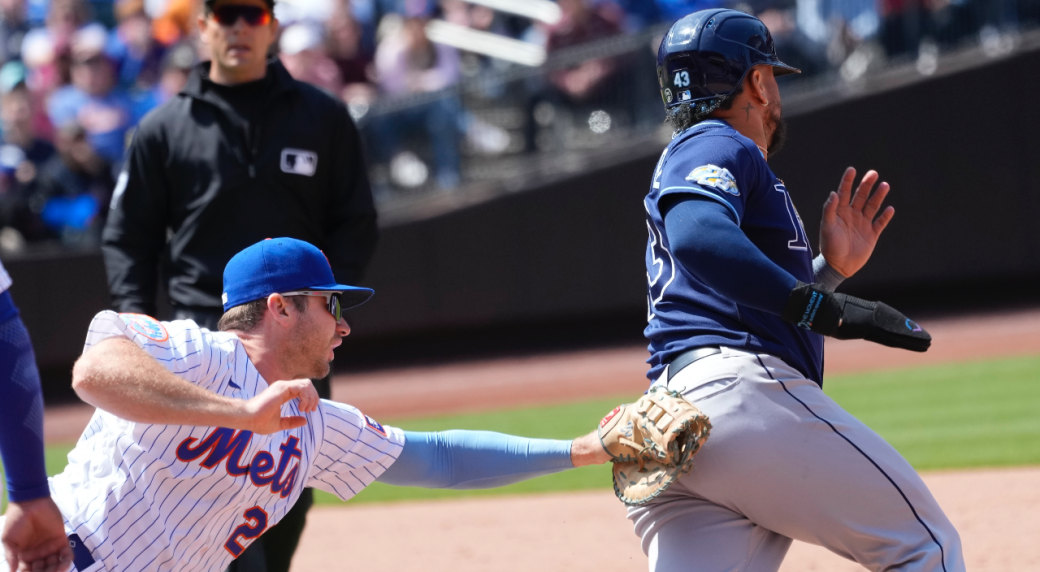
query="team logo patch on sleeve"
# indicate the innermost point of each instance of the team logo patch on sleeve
(147, 326)
(375, 426)
(716, 178)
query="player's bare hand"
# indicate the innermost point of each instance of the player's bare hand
(308, 397)
(34, 537)
(263, 413)
(851, 223)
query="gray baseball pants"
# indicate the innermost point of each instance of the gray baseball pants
(783, 462)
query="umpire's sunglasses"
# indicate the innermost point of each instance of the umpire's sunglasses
(228, 14)
(334, 305)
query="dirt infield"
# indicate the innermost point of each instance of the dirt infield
(995, 510)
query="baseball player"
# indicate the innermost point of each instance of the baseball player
(33, 534)
(202, 440)
(737, 310)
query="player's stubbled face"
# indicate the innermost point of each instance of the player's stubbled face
(313, 340)
(238, 39)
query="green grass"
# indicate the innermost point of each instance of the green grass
(982, 414)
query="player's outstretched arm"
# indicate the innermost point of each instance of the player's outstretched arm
(484, 459)
(851, 224)
(119, 377)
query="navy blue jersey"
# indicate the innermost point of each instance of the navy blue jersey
(712, 159)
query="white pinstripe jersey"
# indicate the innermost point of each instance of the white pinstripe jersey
(5, 279)
(177, 497)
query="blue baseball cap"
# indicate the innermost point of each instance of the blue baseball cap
(279, 265)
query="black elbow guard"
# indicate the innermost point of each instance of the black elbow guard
(847, 318)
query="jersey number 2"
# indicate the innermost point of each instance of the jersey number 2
(248, 530)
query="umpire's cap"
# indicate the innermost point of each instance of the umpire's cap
(279, 265)
(707, 54)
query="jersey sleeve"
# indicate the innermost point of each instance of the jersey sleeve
(354, 450)
(5, 279)
(718, 167)
(181, 347)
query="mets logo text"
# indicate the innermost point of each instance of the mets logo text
(227, 446)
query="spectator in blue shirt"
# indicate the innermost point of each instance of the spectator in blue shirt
(93, 101)
(137, 55)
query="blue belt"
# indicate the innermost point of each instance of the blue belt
(80, 554)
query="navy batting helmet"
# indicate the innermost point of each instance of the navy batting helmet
(706, 55)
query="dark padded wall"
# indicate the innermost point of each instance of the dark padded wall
(965, 174)
(964, 169)
(562, 251)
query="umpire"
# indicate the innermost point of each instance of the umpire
(243, 153)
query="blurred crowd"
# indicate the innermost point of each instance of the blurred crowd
(77, 75)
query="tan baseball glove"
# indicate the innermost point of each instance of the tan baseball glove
(652, 442)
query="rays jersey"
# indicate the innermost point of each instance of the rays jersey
(176, 497)
(713, 160)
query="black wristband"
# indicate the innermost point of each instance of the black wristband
(813, 308)
(849, 318)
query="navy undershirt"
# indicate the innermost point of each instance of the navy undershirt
(729, 263)
(21, 409)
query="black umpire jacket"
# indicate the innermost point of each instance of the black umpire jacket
(200, 184)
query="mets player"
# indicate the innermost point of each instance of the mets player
(33, 534)
(736, 308)
(202, 440)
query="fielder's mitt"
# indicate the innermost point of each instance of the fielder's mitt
(652, 442)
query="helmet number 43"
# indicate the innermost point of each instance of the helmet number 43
(682, 79)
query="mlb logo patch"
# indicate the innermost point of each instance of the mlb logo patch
(375, 426)
(684, 95)
(299, 162)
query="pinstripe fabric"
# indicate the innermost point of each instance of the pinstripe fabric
(166, 497)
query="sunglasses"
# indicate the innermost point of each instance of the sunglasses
(332, 298)
(228, 14)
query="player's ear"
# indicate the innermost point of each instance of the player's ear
(756, 86)
(278, 306)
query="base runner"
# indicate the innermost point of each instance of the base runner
(737, 311)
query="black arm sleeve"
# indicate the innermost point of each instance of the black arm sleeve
(135, 233)
(352, 234)
(705, 238)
